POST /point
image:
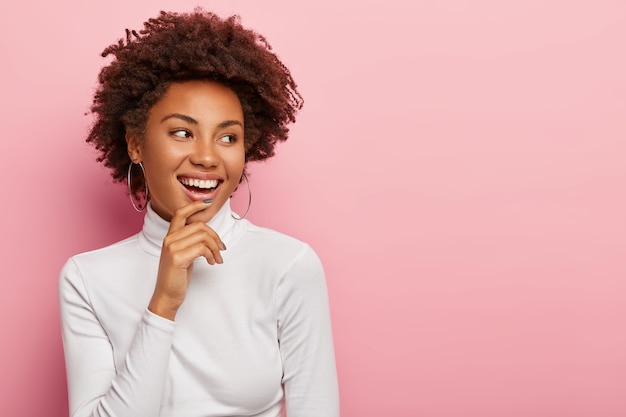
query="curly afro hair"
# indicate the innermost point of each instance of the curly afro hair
(177, 47)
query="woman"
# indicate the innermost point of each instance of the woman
(201, 313)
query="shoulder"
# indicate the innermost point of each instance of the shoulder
(99, 259)
(273, 240)
(106, 253)
(287, 251)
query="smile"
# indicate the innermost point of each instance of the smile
(202, 184)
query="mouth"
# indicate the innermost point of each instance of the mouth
(200, 189)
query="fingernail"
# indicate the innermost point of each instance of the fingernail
(208, 201)
(224, 246)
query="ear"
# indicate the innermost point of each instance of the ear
(133, 145)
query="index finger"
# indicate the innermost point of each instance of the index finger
(179, 220)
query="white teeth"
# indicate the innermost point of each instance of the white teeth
(206, 184)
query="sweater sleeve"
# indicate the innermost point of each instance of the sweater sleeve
(95, 387)
(305, 337)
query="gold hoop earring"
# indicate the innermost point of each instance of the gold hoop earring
(130, 192)
(249, 200)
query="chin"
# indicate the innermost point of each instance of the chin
(203, 216)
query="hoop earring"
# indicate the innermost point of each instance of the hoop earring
(130, 192)
(249, 200)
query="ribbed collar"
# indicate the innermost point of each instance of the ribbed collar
(155, 228)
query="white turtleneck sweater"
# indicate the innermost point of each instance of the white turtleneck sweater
(252, 337)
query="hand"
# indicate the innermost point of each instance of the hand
(182, 244)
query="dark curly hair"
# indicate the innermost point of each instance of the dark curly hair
(176, 47)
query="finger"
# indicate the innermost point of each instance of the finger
(195, 232)
(215, 245)
(179, 220)
(186, 257)
(212, 247)
(215, 252)
(182, 257)
(212, 253)
(177, 245)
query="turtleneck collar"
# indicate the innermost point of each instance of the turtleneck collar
(155, 228)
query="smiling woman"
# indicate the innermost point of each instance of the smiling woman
(169, 322)
(192, 148)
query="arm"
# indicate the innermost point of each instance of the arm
(95, 387)
(305, 337)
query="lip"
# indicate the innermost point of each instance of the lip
(200, 176)
(203, 195)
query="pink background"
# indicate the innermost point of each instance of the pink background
(459, 166)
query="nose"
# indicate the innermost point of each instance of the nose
(204, 154)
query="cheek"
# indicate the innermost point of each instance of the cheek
(160, 157)
(159, 164)
(236, 160)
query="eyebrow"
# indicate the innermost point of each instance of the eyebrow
(191, 120)
(228, 123)
(183, 117)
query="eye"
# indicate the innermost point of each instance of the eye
(181, 133)
(228, 139)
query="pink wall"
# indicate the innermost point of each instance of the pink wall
(459, 166)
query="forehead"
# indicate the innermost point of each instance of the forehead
(203, 100)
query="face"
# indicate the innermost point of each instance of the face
(193, 148)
